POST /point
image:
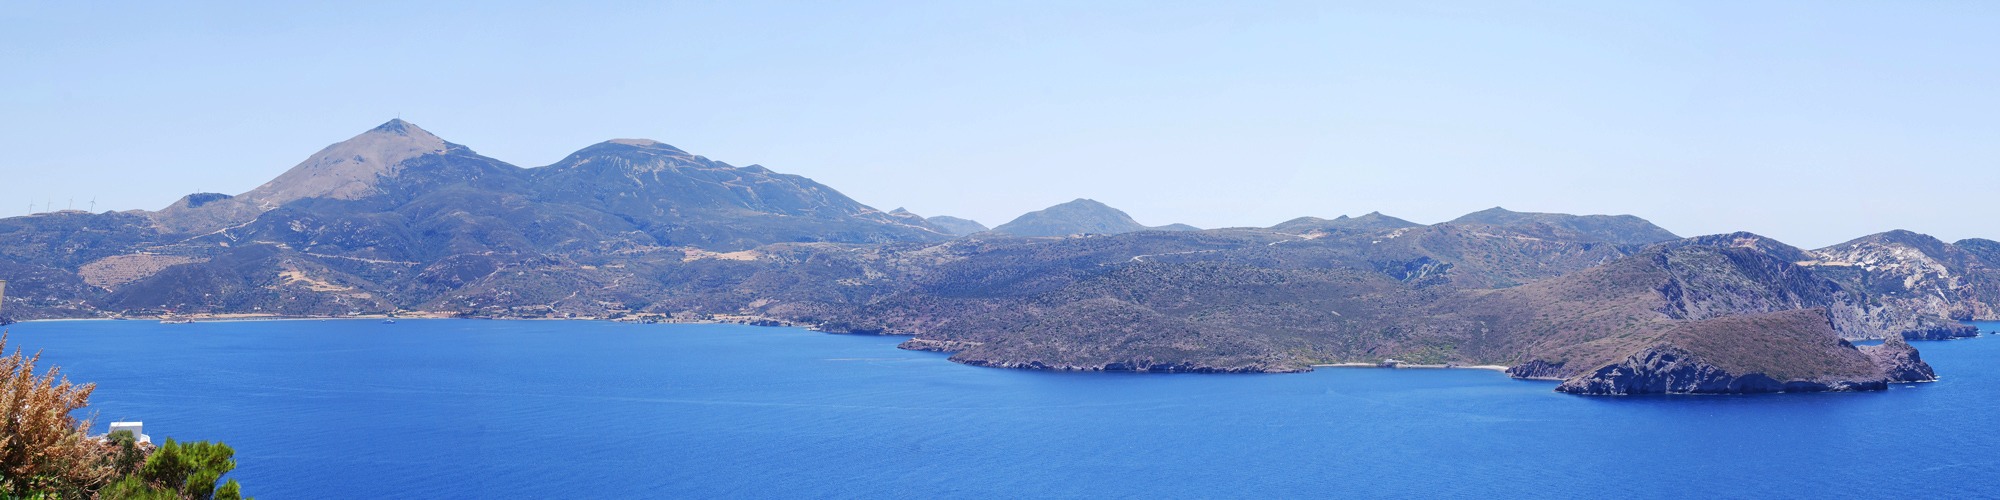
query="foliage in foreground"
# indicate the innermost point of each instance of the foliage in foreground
(180, 470)
(45, 453)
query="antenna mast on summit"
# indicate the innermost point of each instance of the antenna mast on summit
(93, 204)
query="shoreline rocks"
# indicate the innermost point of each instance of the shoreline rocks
(1667, 369)
(1899, 361)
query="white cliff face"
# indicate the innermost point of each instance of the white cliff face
(1913, 271)
(350, 169)
(1917, 269)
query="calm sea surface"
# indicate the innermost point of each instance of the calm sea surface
(503, 409)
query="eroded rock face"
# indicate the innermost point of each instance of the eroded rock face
(1940, 332)
(1136, 365)
(1666, 369)
(1917, 272)
(1899, 361)
(1539, 370)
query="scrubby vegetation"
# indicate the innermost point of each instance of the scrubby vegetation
(46, 453)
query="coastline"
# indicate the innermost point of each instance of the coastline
(247, 317)
(206, 318)
(1447, 366)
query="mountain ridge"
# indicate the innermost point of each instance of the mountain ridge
(639, 230)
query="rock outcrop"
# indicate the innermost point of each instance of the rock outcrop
(1899, 361)
(1790, 351)
(1538, 369)
(1667, 369)
(1919, 273)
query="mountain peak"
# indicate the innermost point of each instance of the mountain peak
(346, 170)
(1371, 221)
(1079, 216)
(644, 155)
(1927, 244)
(398, 126)
(646, 144)
(349, 169)
(1622, 229)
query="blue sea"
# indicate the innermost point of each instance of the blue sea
(570, 409)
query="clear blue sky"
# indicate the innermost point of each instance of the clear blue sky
(1813, 122)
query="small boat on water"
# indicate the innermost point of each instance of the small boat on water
(389, 321)
(175, 321)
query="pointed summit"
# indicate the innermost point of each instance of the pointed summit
(397, 126)
(349, 169)
(346, 170)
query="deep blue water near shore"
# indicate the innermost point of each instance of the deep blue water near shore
(464, 408)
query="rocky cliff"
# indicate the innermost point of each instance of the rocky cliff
(1790, 351)
(1919, 273)
(1899, 361)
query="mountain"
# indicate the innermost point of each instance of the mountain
(1081, 216)
(347, 170)
(1372, 221)
(1917, 272)
(1230, 301)
(680, 199)
(955, 226)
(619, 193)
(1988, 251)
(1621, 229)
(397, 218)
(639, 230)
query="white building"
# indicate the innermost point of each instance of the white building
(137, 429)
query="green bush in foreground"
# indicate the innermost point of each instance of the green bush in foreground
(180, 471)
(45, 453)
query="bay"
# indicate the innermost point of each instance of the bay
(538, 409)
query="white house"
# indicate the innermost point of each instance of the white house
(137, 429)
